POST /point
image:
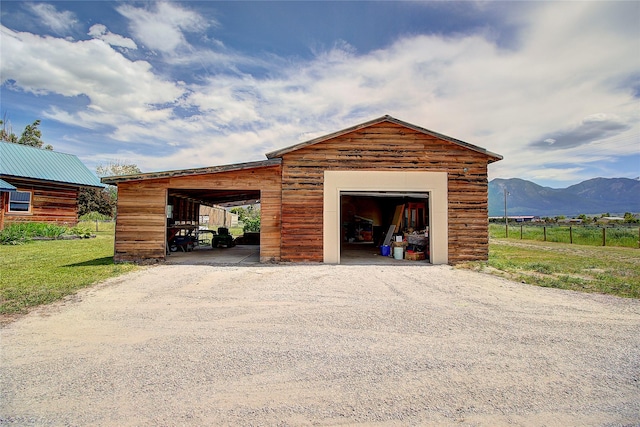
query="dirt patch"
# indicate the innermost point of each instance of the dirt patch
(322, 345)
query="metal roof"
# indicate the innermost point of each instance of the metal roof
(5, 186)
(22, 161)
(493, 157)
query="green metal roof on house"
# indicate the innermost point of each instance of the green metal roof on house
(22, 161)
(5, 186)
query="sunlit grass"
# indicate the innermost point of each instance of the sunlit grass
(608, 270)
(40, 272)
(628, 237)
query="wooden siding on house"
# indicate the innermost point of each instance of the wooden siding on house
(50, 202)
(384, 147)
(141, 228)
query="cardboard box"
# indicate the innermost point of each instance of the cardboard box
(414, 256)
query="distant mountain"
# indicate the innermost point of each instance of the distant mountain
(598, 195)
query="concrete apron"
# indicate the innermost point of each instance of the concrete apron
(205, 255)
(250, 255)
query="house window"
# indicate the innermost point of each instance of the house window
(19, 201)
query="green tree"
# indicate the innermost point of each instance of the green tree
(117, 168)
(104, 200)
(31, 135)
(629, 218)
(92, 200)
(249, 216)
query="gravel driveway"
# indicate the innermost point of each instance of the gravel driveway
(322, 345)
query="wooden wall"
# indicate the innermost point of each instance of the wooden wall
(141, 220)
(50, 202)
(384, 147)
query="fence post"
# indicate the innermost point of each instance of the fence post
(96, 225)
(544, 229)
(570, 234)
(604, 236)
(520, 231)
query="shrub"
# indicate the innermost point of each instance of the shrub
(82, 232)
(13, 235)
(22, 232)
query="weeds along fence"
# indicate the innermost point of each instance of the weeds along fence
(624, 236)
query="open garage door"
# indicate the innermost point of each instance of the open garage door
(384, 227)
(370, 197)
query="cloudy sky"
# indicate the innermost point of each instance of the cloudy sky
(552, 86)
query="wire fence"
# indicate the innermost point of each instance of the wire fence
(623, 236)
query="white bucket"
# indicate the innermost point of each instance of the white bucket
(398, 252)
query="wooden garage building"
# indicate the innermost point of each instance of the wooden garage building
(312, 194)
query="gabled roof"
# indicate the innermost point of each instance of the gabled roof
(493, 157)
(22, 161)
(191, 172)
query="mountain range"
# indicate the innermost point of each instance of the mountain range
(594, 196)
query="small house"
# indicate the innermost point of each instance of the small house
(38, 185)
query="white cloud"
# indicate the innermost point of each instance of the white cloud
(101, 32)
(565, 71)
(59, 22)
(162, 28)
(120, 91)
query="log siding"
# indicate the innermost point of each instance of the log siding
(50, 202)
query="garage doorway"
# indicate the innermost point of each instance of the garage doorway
(374, 224)
(377, 192)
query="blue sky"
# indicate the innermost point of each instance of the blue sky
(552, 86)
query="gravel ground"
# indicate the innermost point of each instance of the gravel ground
(322, 345)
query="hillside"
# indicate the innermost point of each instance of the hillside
(598, 195)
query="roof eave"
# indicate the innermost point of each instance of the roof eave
(114, 180)
(70, 184)
(493, 157)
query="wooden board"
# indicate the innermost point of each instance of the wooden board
(389, 235)
(397, 218)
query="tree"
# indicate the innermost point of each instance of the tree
(31, 135)
(104, 200)
(250, 218)
(95, 200)
(629, 218)
(6, 133)
(117, 168)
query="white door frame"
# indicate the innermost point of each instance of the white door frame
(435, 183)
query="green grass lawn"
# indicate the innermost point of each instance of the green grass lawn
(41, 272)
(608, 270)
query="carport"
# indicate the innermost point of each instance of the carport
(152, 207)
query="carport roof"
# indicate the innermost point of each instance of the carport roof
(189, 172)
(493, 157)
